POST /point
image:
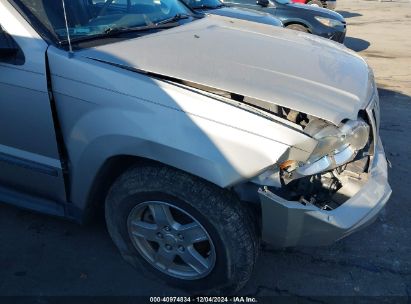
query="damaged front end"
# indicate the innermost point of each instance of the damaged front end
(337, 168)
(340, 188)
(328, 183)
(325, 207)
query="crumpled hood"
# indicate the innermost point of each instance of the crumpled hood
(284, 67)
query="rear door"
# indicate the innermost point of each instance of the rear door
(29, 155)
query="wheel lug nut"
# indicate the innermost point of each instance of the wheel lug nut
(181, 248)
(168, 247)
(159, 235)
(167, 228)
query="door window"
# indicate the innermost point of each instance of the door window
(10, 52)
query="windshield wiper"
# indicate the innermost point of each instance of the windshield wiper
(114, 31)
(175, 18)
(204, 6)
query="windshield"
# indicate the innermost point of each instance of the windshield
(199, 4)
(94, 17)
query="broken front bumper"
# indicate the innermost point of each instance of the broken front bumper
(289, 223)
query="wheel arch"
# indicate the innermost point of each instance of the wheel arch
(106, 175)
(96, 170)
(90, 189)
(299, 22)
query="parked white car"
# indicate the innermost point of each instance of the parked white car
(201, 135)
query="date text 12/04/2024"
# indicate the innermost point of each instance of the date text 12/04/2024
(203, 299)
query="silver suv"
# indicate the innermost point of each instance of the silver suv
(201, 135)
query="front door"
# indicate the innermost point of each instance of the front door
(29, 156)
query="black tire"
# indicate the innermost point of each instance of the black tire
(297, 27)
(315, 3)
(226, 221)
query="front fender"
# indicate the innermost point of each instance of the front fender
(222, 155)
(106, 111)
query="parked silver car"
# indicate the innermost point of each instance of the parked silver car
(201, 135)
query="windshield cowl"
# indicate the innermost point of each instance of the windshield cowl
(112, 32)
(208, 7)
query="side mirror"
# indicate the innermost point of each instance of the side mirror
(263, 3)
(7, 47)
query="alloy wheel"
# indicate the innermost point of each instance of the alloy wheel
(171, 240)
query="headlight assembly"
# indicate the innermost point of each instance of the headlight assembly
(328, 22)
(336, 145)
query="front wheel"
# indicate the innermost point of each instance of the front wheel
(298, 27)
(188, 232)
(315, 3)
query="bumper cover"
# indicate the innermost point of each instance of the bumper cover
(339, 36)
(289, 223)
